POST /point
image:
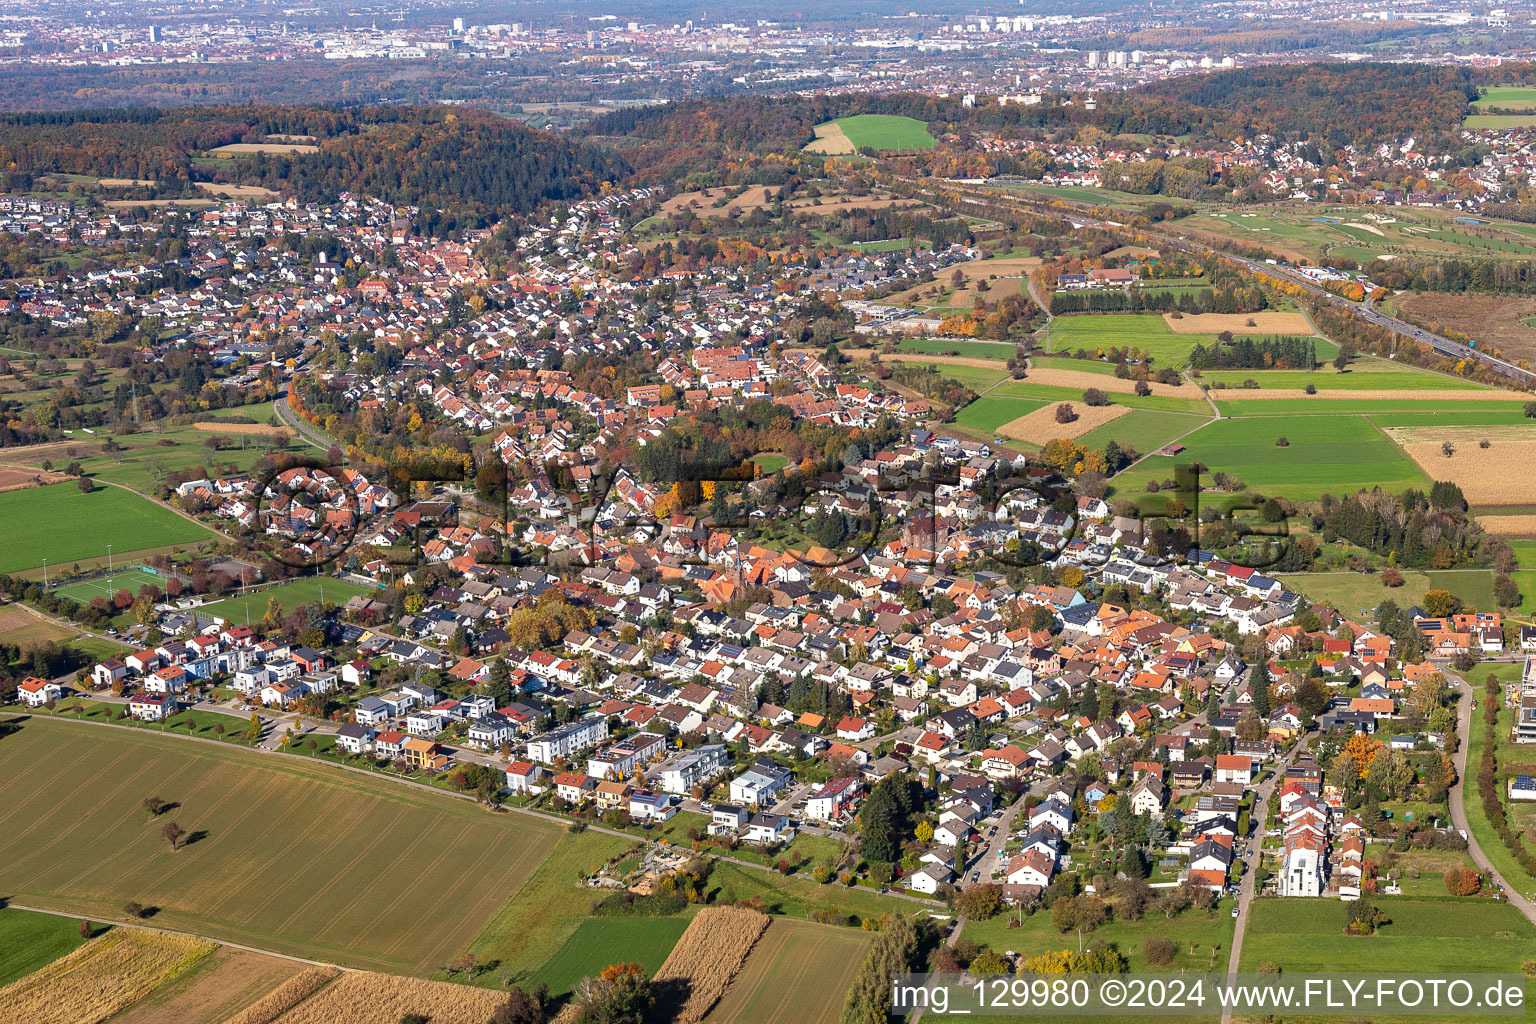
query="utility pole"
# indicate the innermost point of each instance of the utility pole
(109, 559)
(45, 574)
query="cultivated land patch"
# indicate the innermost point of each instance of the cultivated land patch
(798, 973)
(101, 978)
(21, 478)
(1267, 322)
(225, 427)
(73, 837)
(1502, 474)
(706, 958)
(20, 627)
(29, 940)
(599, 942)
(221, 985)
(245, 148)
(61, 524)
(883, 132)
(837, 204)
(1040, 426)
(830, 141)
(1506, 97)
(1335, 394)
(236, 191)
(360, 997)
(704, 202)
(1115, 385)
(1509, 526)
(1096, 332)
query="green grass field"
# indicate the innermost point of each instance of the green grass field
(601, 941)
(1488, 840)
(1508, 97)
(1326, 454)
(1424, 936)
(1054, 393)
(293, 594)
(1393, 408)
(295, 857)
(886, 132)
(1358, 594)
(1497, 122)
(1002, 351)
(60, 524)
(988, 413)
(1385, 379)
(1144, 430)
(29, 941)
(1038, 935)
(1145, 331)
(797, 973)
(771, 462)
(145, 458)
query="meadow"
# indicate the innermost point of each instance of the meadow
(1210, 937)
(1334, 454)
(1422, 936)
(1359, 594)
(1381, 376)
(601, 941)
(1146, 331)
(29, 940)
(1506, 97)
(886, 132)
(1002, 351)
(988, 413)
(60, 524)
(290, 856)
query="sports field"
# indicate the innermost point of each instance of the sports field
(798, 973)
(290, 595)
(62, 525)
(292, 856)
(86, 590)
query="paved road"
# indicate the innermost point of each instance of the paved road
(1248, 885)
(298, 424)
(1457, 796)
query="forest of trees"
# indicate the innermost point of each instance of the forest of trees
(465, 167)
(1276, 353)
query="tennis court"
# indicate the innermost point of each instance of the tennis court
(106, 586)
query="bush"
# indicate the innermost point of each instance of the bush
(1093, 396)
(1158, 950)
(1065, 413)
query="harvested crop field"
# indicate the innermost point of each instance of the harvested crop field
(1509, 526)
(236, 191)
(73, 838)
(284, 997)
(1270, 322)
(101, 978)
(1489, 319)
(830, 141)
(360, 997)
(704, 203)
(124, 182)
(832, 204)
(225, 427)
(1083, 379)
(19, 478)
(222, 984)
(244, 148)
(1502, 474)
(20, 627)
(798, 973)
(706, 958)
(1040, 426)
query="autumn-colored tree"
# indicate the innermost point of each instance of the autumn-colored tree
(1462, 881)
(1363, 750)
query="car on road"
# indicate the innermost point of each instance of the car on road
(1234, 911)
(1463, 833)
